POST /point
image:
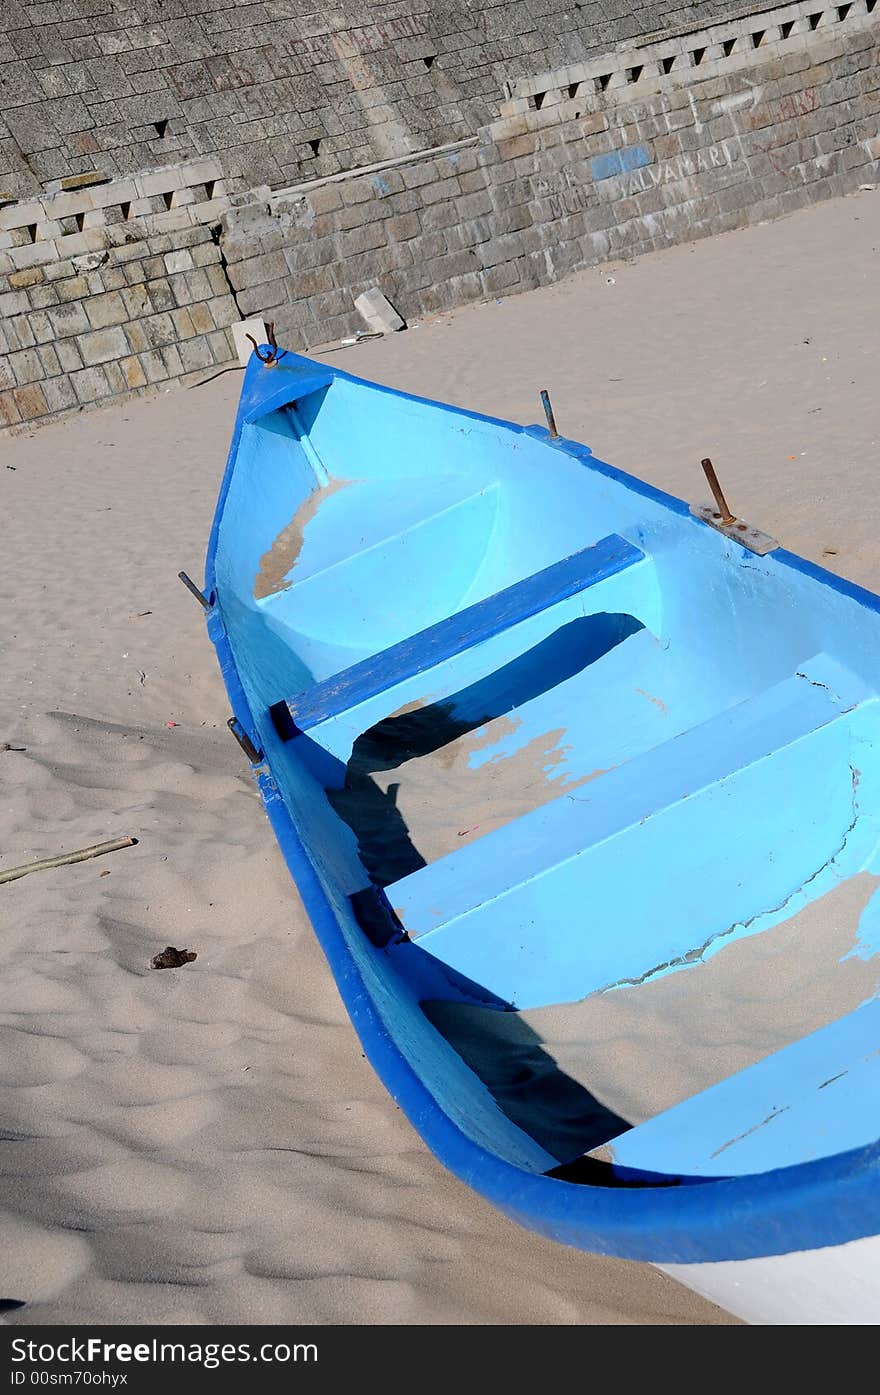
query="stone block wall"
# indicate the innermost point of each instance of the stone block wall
(279, 91)
(111, 286)
(634, 150)
(109, 289)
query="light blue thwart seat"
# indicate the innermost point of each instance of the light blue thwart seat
(818, 1093)
(555, 905)
(345, 700)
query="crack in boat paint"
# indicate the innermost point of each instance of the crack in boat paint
(831, 1079)
(694, 955)
(774, 1114)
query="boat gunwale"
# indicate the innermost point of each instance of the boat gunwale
(824, 1202)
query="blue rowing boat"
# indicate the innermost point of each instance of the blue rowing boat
(579, 787)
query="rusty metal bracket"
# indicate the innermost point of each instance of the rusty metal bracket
(244, 741)
(721, 517)
(272, 357)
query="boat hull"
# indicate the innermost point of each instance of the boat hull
(836, 1286)
(712, 1230)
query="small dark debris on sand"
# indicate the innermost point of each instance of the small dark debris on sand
(172, 958)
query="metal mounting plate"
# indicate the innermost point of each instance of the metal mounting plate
(737, 531)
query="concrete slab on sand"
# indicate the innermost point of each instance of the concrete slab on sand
(213, 1132)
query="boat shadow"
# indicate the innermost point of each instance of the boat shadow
(385, 845)
(496, 1043)
(525, 1081)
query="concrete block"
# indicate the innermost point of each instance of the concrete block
(220, 344)
(21, 328)
(115, 379)
(26, 366)
(101, 196)
(172, 361)
(113, 278)
(69, 320)
(21, 280)
(31, 402)
(9, 413)
(172, 221)
(75, 244)
(59, 394)
(195, 354)
(20, 215)
(132, 372)
(217, 282)
(103, 345)
(180, 260)
(183, 323)
(163, 181)
(223, 311)
(243, 346)
(192, 286)
(256, 271)
(367, 238)
(69, 355)
(49, 361)
(203, 320)
(205, 254)
(201, 171)
(154, 366)
(40, 327)
(378, 312)
(159, 330)
(209, 211)
(32, 254)
(90, 384)
(104, 310)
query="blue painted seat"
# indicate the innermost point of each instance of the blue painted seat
(453, 635)
(817, 1096)
(648, 864)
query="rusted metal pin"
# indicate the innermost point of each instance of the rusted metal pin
(717, 493)
(548, 413)
(194, 590)
(244, 741)
(272, 356)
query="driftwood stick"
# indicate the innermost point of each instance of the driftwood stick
(96, 850)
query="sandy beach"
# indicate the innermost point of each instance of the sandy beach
(207, 1144)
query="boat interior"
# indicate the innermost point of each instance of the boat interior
(591, 789)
